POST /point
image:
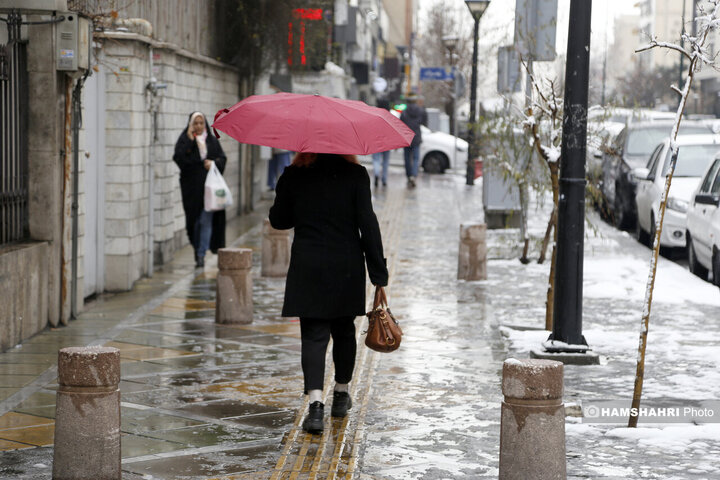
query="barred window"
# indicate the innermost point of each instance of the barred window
(13, 143)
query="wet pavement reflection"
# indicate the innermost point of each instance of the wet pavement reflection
(201, 400)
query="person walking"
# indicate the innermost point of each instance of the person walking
(326, 199)
(278, 161)
(413, 116)
(195, 152)
(381, 160)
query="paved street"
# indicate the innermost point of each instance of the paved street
(202, 401)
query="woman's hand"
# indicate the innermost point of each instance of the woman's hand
(207, 163)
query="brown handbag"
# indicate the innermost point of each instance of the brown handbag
(383, 333)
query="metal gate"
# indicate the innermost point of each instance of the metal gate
(13, 136)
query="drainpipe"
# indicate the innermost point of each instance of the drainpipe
(76, 124)
(152, 88)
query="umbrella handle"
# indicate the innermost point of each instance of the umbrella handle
(219, 112)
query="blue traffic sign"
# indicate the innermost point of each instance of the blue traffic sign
(435, 73)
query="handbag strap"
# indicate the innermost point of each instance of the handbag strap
(380, 298)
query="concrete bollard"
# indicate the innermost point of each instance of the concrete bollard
(472, 255)
(275, 251)
(234, 303)
(532, 424)
(87, 415)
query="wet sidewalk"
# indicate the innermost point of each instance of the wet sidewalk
(201, 400)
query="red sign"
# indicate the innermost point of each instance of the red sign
(308, 13)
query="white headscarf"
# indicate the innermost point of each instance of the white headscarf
(200, 139)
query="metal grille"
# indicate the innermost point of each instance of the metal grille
(13, 139)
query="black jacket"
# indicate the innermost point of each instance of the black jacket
(414, 116)
(192, 183)
(336, 233)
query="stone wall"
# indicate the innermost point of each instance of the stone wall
(133, 141)
(24, 287)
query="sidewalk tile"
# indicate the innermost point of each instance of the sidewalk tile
(14, 420)
(8, 445)
(39, 436)
(10, 381)
(136, 445)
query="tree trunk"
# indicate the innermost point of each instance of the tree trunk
(550, 302)
(523, 223)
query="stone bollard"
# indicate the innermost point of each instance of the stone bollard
(472, 256)
(87, 416)
(532, 425)
(234, 303)
(275, 251)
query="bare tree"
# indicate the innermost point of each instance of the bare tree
(698, 50)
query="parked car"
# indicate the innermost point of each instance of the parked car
(703, 225)
(599, 136)
(694, 155)
(440, 151)
(631, 149)
(626, 115)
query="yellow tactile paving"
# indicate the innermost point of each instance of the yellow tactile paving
(41, 436)
(14, 420)
(133, 351)
(334, 454)
(185, 304)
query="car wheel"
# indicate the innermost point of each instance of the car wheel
(434, 162)
(716, 267)
(640, 234)
(693, 263)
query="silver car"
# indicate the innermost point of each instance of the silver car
(703, 225)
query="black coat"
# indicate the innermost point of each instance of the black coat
(192, 183)
(414, 116)
(336, 233)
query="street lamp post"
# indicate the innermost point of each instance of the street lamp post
(450, 42)
(477, 8)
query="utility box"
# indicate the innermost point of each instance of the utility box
(73, 40)
(501, 198)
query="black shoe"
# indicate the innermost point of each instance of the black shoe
(341, 404)
(377, 180)
(313, 422)
(199, 262)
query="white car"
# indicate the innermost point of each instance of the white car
(440, 151)
(696, 152)
(703, 225)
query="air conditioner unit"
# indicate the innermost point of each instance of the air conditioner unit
(73, 39)
(33, 6)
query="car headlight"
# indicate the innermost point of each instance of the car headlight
(677, 204)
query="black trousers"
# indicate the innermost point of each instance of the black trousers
(315, 334)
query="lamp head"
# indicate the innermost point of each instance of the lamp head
(450, 41)
(477, 7)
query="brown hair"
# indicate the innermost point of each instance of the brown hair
(304, 159)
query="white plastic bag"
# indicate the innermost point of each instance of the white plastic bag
(217, 193)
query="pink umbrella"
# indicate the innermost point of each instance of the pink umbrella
(313, 123)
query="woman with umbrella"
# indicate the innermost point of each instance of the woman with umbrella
(195, 151)
(326, 198)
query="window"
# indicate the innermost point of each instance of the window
(709, 177)
(13, 143)
(715, 190)
(692, 160)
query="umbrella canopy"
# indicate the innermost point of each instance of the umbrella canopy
(313, 123)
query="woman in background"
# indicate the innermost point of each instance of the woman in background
(195, 152)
